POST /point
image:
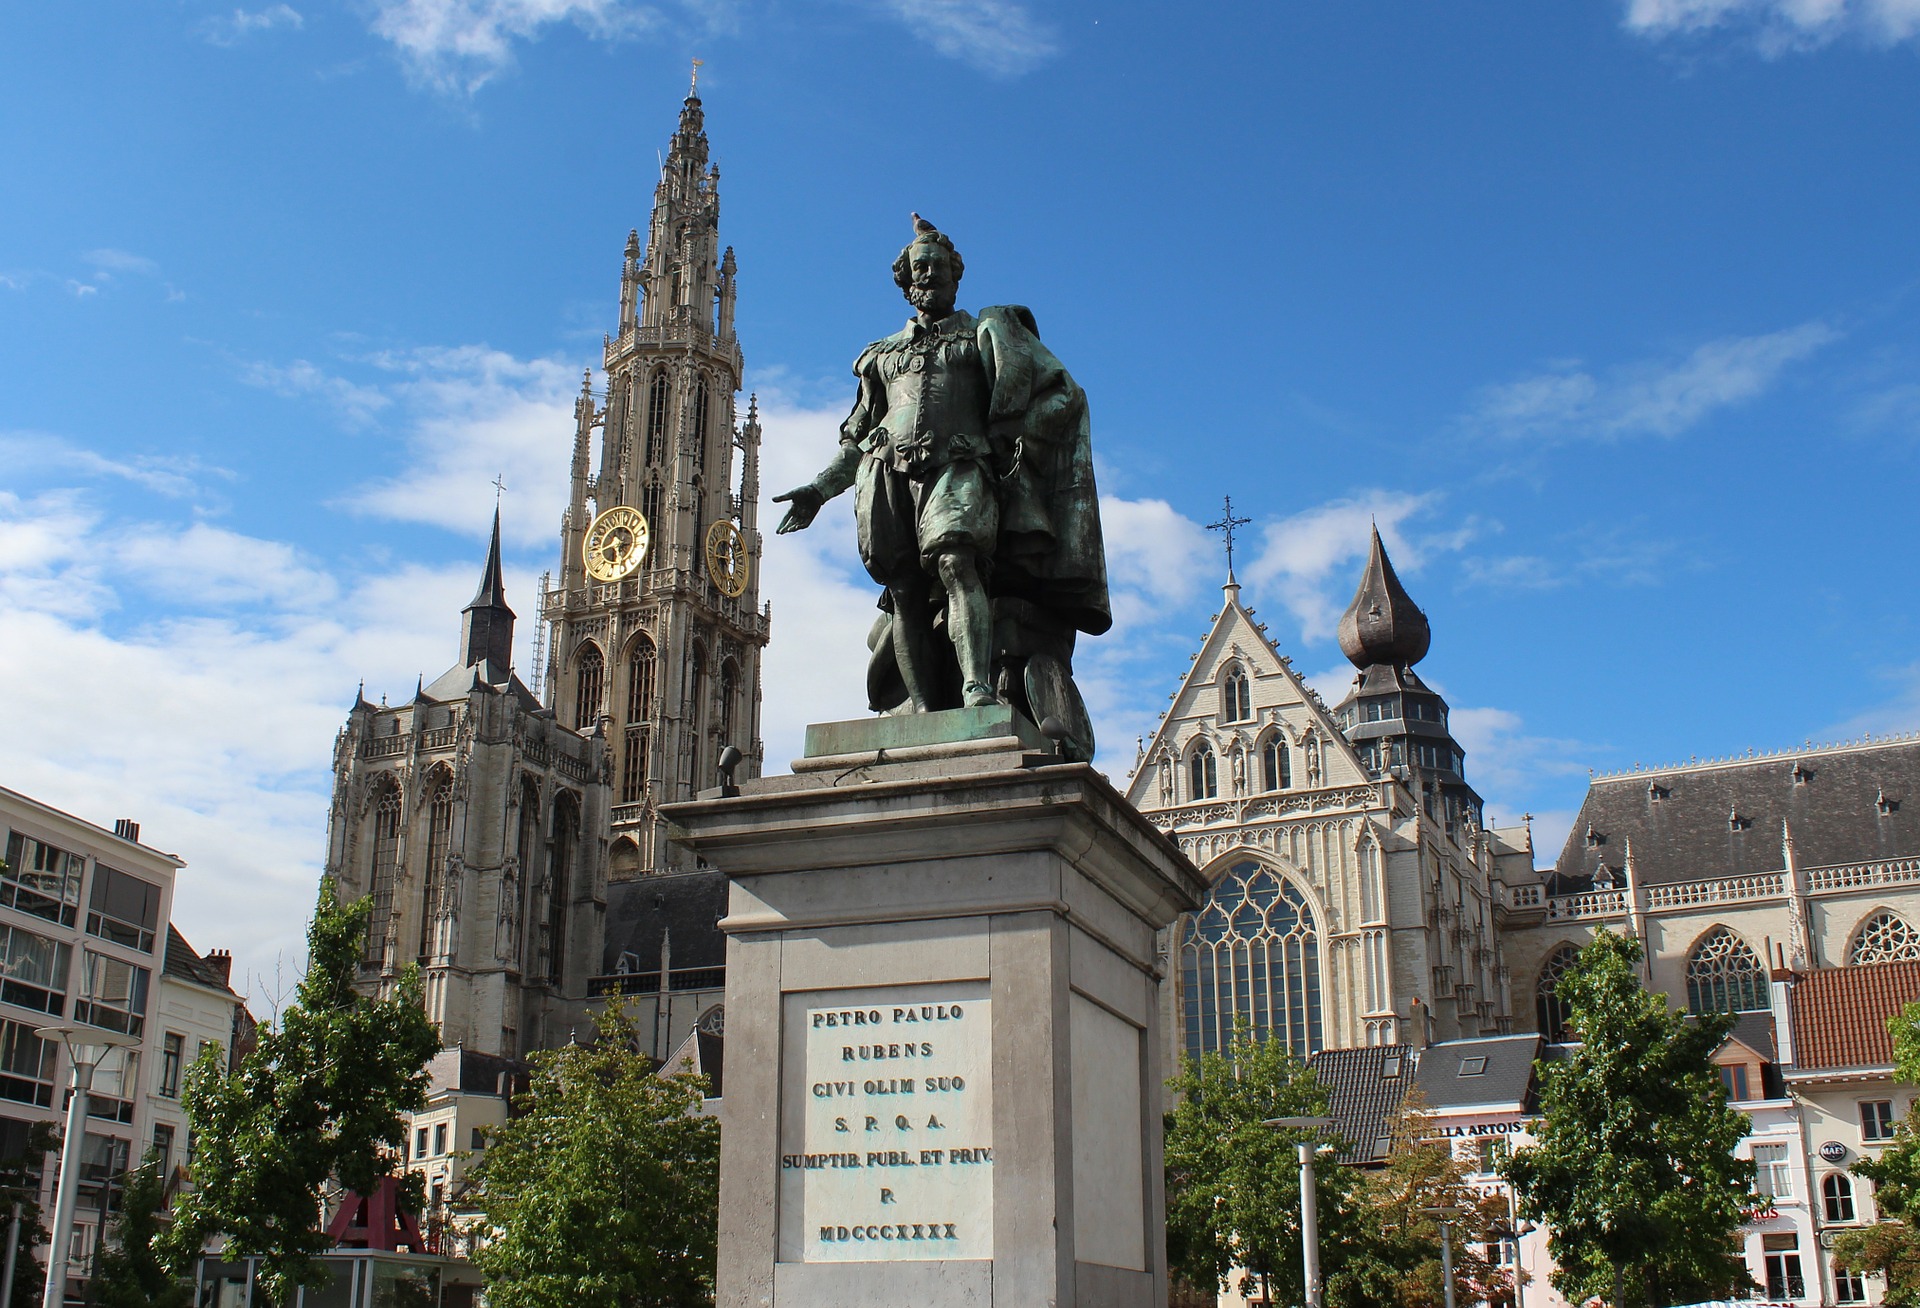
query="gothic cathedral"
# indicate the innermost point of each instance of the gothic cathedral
(508, 840)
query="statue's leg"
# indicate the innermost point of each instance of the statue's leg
(970, 623)
(913, 639)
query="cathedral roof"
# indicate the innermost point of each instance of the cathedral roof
(1383, 624)
(1364, 1090)
(1483, 1071)
(493, 587)
(676, 912)
(1855, 803)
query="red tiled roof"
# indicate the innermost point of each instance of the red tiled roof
(1840, 1014)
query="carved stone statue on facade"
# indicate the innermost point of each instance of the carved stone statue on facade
(970, 456)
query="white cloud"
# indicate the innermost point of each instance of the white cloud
(1311, 561)
(1779, 26)
(231, 29)
(457, 46)
(1000, 37)
(356, 403)
(120, 261)
(1651, 398)
(171, 475)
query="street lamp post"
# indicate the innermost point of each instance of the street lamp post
(1446, 1213)
(86, 1048)
(1309, 1202)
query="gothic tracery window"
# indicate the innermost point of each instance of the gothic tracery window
(383, 871)
(589, 686)
(657, 403)
(1886, 937)
(439, 844)
(700, 423)
(1253, 952)
(1203, 773)
(1725, 976)
(1548, 1005)
(650, 501)
(1276, 765)
(729, 691)
(551, 925)
(1237, 696)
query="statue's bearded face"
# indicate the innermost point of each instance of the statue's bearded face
(931, 282)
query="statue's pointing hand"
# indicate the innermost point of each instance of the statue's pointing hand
(803, 506)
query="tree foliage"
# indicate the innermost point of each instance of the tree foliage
(1394, 1257)
(1892, 1246)
(20, 1183)
(127, 1272)
(604, 1188)
(1233, 1185)
(1633, 1166)
(320, 1097)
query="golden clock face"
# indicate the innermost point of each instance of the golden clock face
(727, 558)
(616, 543)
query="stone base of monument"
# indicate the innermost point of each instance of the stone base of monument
(943, 1075)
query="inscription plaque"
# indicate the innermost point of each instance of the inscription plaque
(886, 1131)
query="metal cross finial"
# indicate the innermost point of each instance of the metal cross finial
(1225, 527)
(695, 88)
(499, 488)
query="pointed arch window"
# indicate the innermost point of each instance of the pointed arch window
(696, 711)
(1548, 1005)
(729, 692)
(1252, 952)
(1836, 1192)
(643, 661)
(659, 397)
(1237, 696)
(634, 766)
(700, 423)
(383, 871)
(1725, 976)
(1276, 764)
(650, 510)
(699, 544)
(551, 923)
(1886, 937)
(433, 885)
(1203, 773)
(589, 687)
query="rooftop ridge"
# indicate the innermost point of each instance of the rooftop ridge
(1807, 750)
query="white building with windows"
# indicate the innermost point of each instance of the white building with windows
(84, 929)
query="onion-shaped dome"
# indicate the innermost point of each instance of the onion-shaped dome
(1383, 625)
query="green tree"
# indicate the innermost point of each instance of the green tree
(1633, 1168)
(319, 1098)
(127, 1272)
(1892, 1245)
(1233, 1185)
(20, 1183)
(604, 1188)
(1393, 1258)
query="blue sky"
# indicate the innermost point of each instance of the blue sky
(1604, 311)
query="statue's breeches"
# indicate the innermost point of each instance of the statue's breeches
(907, 522)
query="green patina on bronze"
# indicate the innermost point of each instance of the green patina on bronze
(969, 452)
(908, 730)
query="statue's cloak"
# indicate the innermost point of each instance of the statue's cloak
(1051, 553)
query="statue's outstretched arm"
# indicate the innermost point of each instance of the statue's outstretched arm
(804, 501)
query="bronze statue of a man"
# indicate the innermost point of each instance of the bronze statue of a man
(969, 452)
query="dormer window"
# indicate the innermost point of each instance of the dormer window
(1474, 1066)
(1595, 839)
(1390, 1067)
(1887, 807)
(1735, 822)
(1657, 792)
(1237, 696)
(1802, 774)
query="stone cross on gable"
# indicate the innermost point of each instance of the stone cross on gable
(1225, 527)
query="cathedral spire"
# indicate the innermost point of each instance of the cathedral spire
(1383, 625)
(487, 624)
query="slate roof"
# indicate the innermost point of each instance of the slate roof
(472, 1072)
(1362, 1097)
(706, 1053)
(1505, 1075)
(681, 907)
(1840, 1014)
(1725, 819)
(184, 962)
(1755, 1031)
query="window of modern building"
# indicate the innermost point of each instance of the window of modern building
(1725, 976)
(172, 1048)
(1203, 774)
(1236, 696)
(1276, 764)
(478, 1139)
(1886, 937)
(103, 1164)
(1252, 952)
(1773, 1173)
(1876, 1120)
(41, 880)
(26, 1064)
(123, 909)
(34, 970)
(1848, 1287)
(1549, 1008)
(1836, 1193)
(440, 1138)
(116, 1085)
(1734, 1078)
(420, 1143)
(113, 994)
(163, 1149)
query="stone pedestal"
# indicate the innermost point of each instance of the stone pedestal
(943, 1075)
